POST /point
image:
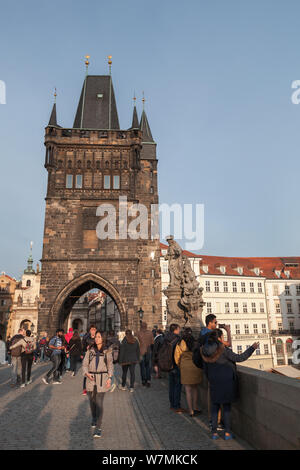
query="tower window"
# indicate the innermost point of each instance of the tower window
(79, 164)
(116, 182)
(98, 165)
(69, 182)
(78, 181)
(88, 164)
(106, 181)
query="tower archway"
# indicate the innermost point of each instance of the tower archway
(76, 288)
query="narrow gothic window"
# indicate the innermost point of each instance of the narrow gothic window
(107, 164)
(78, 181)
(69, 164)
(98, 165)
(88, 164)
(106, 181)
(69, 181)
(79, 164)
(116, 182)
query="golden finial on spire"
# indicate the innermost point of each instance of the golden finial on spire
(87, 63)
(134, 98)
(109, 63)
(143, 100)
(55, 95)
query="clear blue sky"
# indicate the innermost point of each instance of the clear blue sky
(217, 78)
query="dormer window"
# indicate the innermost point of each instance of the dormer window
(240, 270)
(257, 271)
(223, 269)
(287, 273)
(277, 272)
(205, 268)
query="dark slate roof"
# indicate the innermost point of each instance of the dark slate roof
(145, 128)
(135, 120)
(93, 110)
(52, 120)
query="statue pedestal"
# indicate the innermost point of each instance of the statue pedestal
(175, 313)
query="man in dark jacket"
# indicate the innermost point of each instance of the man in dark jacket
(174, 375)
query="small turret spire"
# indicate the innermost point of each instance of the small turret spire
(144, 125)
(135, 119)
(29, 269)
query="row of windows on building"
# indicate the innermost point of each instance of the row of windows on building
(291, 326)
(234, 287)
(289, 307)
(109, 182)
(246, 330)
(89, 165)
(257, 351)
(237, 309)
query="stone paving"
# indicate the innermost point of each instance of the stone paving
(43, 416)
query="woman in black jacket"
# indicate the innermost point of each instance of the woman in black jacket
(75, 351)
(128, 358)
(220, 369)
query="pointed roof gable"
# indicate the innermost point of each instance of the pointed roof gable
(145, 128)
(97, 105)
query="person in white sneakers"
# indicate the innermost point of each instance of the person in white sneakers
(28, 345)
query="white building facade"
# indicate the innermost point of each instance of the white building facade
(241, 293)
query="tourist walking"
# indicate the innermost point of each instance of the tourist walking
(2, 351)
(75, 352)
(146, 339)
(220, 368)
(55, 343)
(128, 358)
(42, 345)
(87, 342)
(113, 341)
(68, 337)
(190, 375)
(8, 354)
(28, 345)
(166, 358)
(98, 369)
(158, 341)
(16, 359)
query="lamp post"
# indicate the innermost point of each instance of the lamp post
(141, 314)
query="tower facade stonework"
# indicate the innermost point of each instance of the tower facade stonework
(88, 165)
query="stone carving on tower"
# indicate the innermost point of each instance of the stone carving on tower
(184, 296)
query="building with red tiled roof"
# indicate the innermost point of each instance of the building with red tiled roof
(258, 297)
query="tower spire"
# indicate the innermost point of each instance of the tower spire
(53, 119)
(144, 125)
(29, 269)
(135, 119)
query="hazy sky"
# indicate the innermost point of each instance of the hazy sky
(217, 77)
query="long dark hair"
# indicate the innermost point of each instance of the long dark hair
(214, 336)
(129, 337)
(104, 339)
(75, 335)
(188, 338)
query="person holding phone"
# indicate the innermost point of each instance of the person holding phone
(98, 368)
(220, 368)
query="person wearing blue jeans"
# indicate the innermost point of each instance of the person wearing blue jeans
(173, 338)
(174, 388)
(145, 366)
(56, 344)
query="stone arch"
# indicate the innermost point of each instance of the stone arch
(56, 316)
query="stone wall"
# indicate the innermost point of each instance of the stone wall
(267, 414)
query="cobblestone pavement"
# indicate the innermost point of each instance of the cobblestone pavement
(43, 416)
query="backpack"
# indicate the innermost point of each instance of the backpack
(16, 352)
(29, 348)
(47, 350)
(165, 355)
(197, 358)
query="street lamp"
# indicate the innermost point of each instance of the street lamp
(141, 314)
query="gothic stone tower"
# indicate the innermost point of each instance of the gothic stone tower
(90, 164)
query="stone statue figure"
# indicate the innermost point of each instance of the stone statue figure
(184, 296)
(192, 293)
(174, 256)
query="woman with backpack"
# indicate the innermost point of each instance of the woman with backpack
(129, 357)
(28, 346)
(98, 368)
(220, 368)
(74, 352)
(191, 376)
